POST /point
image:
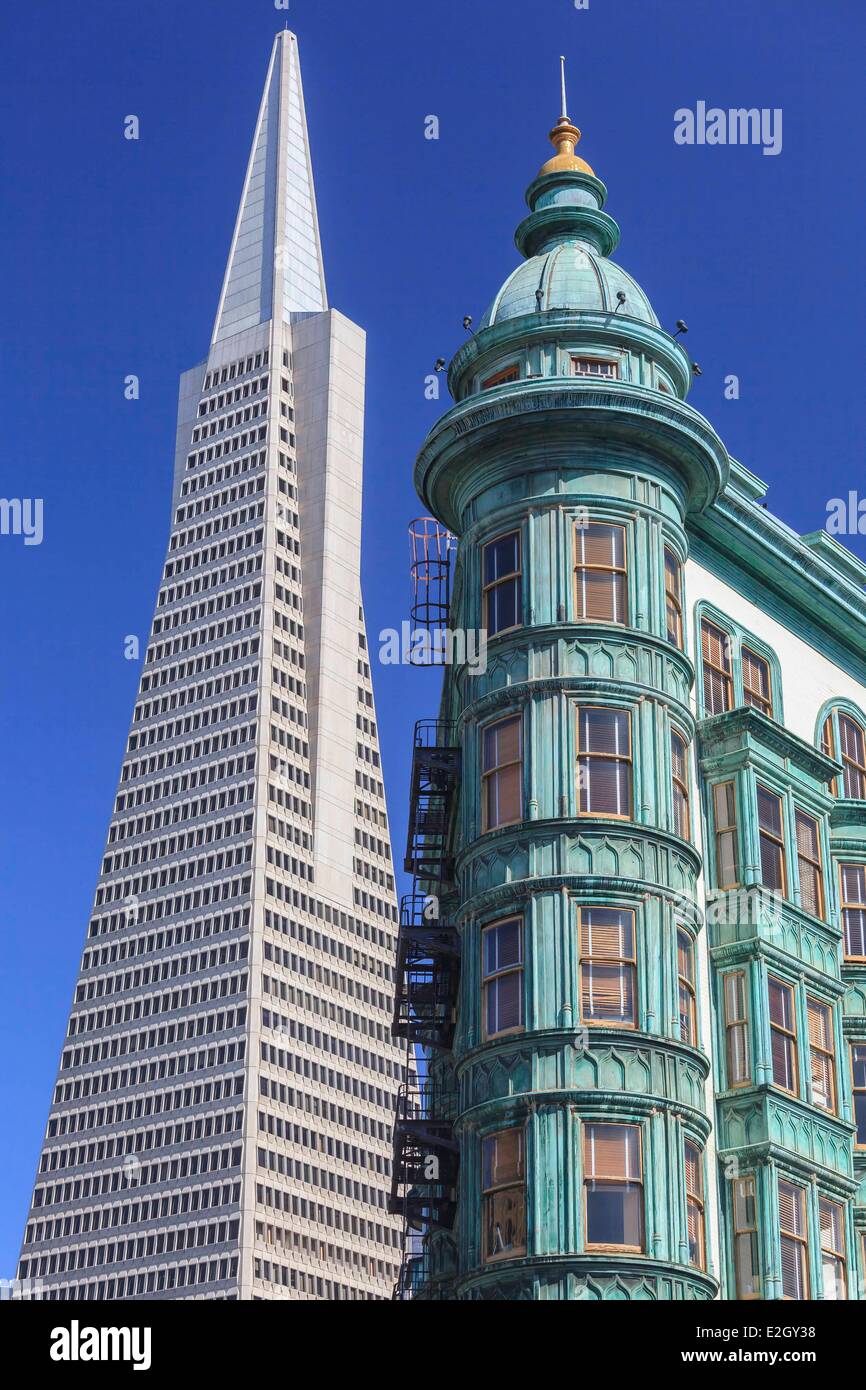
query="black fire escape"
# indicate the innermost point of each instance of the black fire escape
(424, 1170)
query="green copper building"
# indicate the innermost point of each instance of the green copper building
(635, 963)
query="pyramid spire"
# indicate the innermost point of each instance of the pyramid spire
(275, 268)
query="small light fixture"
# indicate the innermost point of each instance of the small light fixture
(467, 321)
(681, 328)
(539, 300)
(440, 364)
(696, 371)
(620, 300)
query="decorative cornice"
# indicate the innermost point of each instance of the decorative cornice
(759, 728)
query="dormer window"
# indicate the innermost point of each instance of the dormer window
(595, 366)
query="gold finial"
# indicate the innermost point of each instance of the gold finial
(564, 138)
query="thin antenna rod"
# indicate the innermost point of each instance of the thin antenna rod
(564, 102)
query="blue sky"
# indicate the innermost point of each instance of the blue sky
(111, 257)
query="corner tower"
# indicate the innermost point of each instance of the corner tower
(577, 1082)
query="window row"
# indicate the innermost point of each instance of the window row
(604, 769)
(600, 580)
(608, 972)
(793, 1242)
(785, 1023)
(613, 1193)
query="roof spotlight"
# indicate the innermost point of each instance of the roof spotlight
(539, 299)
(467, 321)
(681, 328)
(696, 371)
(439, 365)
(620, 300)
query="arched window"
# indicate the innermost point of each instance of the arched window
(843, 738)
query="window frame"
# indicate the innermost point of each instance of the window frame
(838, 1257)
(487, 1194)
(732, 1024)
(493, 978)
(728, 829)
(759, 702)
(586, 1126)
(847, 761)
(614, 375)
(857, 1091)
(623, 961)
(845, 906)
(816, 864)
(690, 986)
(515, 577)
(790, 1034)
(697, 1200)
(487, 773)
(800, 1240)
(752, 1231)
(503, 377)
(739, 640)
(675, 598)
(581, 567)
(681, 785)
(628, 759)
(827, 1053)
(778, 840)
(726, 673)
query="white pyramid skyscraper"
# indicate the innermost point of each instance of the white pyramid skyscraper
(221, 1120)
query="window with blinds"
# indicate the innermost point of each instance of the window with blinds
(600, 576)
(737, 1028)
(747, 1255)
(502, 581)
(827, 744)
(688, 1016)
(831, 1219)
(852, 747)
(613, 1187)
(680, 786)
(794, 1240)
(595, 366)
(725, 826)
(502, 977)
(694, 1166)
(507, 374)
(783, 1035)
(771, 839)
(853, 880)
(822, 1055)
(858, 1081)
(604, 761)
(809, 870)
(503, 1185)
(502, 773)
(716, 663)
(757, 688)
(673, 599)
(608, 967)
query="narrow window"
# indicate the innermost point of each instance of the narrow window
(725, 816)
(502, 977)
(831, 1217)
(595, 366)
(822, 1054)
(695, 1204)
(686, 987)
(809, 864)
(757, 690)
(504, 1195)
(511, 373)
(502, 774)
(607, 966)
(673, 599)
(737, 1028)
(783, 1036)
(792, 1230)
(858, 1076)
(613, 1187)
(604, 762)
(771, 838)
(502, 584)
(747, 1263)
(827, 742)
(852, 746)
(854, 910)
(716, 660)
(680, 786)
(600, 579)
